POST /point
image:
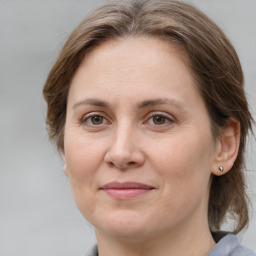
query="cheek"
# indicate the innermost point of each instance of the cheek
(184, 156)
(184, 170)
(83, 157)
(184, 163)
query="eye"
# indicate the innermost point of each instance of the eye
(94, 120)
(157, 119)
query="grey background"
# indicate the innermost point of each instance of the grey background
(37, 212)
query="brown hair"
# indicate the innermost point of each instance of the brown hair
(213, 62)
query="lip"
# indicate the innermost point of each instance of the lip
(126, 190)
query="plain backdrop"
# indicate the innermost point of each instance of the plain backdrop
(37, 213)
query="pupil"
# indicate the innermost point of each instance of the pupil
(97, 120)
(159, 120)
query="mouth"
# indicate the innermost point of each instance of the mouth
(126, 190)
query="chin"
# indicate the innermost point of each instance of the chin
(123, 224)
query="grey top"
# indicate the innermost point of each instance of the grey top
(227, 246)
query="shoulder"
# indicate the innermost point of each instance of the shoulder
(229, 246)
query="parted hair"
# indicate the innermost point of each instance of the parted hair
(211, 58)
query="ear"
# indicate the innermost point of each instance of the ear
(66, 169)
(227, 147)
(64, 164)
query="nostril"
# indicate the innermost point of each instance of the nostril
(131, 163)
(123, 158)
(122, 165)
(111, 164)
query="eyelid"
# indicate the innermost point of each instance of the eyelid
(169, 117)
(107, 119)
(85, 117)
(93, 113)
(160, 113)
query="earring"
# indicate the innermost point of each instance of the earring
(221, 168)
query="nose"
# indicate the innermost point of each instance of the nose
(124, 151)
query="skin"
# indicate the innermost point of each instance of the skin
(134, 114)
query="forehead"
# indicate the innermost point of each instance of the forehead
(136, 68)
(149, 50)
(139, 59)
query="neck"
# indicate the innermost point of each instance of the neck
(193, 242)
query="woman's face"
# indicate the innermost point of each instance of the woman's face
(138, 143)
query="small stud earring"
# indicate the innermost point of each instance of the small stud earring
(221, 168)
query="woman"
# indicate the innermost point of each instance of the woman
(146, 103)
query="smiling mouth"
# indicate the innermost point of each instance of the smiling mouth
(126, 190)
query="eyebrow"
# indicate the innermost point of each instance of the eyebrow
(94, 102)
(146, 103)
(161, 101)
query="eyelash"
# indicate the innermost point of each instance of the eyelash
(88, 118)
(167, 119)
